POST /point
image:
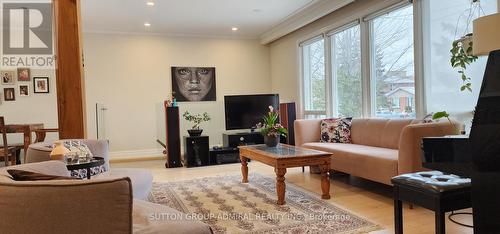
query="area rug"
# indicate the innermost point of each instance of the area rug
(230, 206)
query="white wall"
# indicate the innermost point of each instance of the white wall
(130, 75)
(36, 108)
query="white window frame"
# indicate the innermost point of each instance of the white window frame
(334, 102)
(302, 82)
(371, 88)
(363, 19)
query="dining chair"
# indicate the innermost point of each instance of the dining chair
(42, 133)
(7, 153)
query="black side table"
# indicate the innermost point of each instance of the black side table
(95, 162)
(196, 151)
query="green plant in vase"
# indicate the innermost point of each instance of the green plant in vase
(196, 120)
(271, 129)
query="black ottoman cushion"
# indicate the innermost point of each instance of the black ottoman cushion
(433, 181)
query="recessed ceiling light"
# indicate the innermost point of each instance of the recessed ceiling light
(234, 28)
(147, 24)
(150, 3)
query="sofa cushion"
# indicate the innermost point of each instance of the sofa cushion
(49, 167)
(374, 163)
(336, 130)
(378, 132)
(20, 175)
(154, 218)
(142, 180)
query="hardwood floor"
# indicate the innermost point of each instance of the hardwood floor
(364, 198)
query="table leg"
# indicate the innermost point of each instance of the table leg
(18, 156)
(325, 181)
(439, 218)
(280, 185)
(244, 169)
(398, 212)
(27, 141)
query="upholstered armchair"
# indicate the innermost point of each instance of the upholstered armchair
(101, 205)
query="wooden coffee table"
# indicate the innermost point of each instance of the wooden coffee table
(282, 157)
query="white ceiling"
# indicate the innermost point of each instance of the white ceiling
(189, 17)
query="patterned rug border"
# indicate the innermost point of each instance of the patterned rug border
(289, 187)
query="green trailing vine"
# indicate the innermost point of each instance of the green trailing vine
(461, 57)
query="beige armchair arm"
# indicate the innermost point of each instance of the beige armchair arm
(91, 206)
(410, 156)
(307, 130)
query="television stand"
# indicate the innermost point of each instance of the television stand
(234, 140)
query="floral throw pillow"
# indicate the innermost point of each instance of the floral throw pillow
(336, 130)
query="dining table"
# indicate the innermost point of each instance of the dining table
(26, 130)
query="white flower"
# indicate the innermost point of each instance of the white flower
(271, 109)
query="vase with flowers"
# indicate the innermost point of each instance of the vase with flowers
(270, 129)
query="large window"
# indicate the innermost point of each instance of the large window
(346, 72)
(370, 68)
(392, 67)
(314, 83)
(445, 21)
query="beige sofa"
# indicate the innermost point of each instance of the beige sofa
(380, 149)
(82, 206)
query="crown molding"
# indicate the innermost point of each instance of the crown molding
(302, 17)
(173, 35)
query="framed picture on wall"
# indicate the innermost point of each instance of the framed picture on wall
(193, 84)
(40, 84)
(9, 94)
(23, 74)
(24, 90)
(8, 77)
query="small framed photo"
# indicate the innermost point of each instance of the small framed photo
(8, 77)
(40, 84)
(24, 90)
(23, 74)
(9, 94)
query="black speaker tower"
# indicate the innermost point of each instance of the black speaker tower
(173, 140)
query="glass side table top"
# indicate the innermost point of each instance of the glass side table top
(284, 151)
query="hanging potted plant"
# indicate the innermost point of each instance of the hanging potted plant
(196, 120)
(461, 57)
(461, 49)
(462, 53)
(270, 129)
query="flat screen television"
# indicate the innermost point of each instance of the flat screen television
(245, 111)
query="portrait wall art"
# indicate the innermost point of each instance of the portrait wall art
(41, 85)
(23, 74)
(7, 77)
(193, 84)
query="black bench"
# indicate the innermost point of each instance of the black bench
(432, 190)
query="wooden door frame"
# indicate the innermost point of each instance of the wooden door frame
(70, 81)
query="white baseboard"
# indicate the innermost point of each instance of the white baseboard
(136, 154)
